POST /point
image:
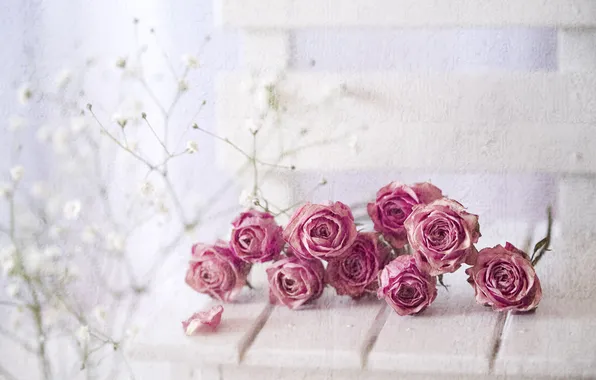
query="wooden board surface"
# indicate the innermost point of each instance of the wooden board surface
(333, 333)
(456, 122)
(404, 13)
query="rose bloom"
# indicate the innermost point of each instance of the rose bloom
(442, 235)
(294, 282)
(504, 278)
(256, 237)
(321, 231)
(394, 204)
(356, 271)
(407, 287)
(216, 271)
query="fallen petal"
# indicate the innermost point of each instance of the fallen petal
(210, 318)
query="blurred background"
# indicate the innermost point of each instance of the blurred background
(109, 169)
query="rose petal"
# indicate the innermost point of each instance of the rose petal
(210, 318)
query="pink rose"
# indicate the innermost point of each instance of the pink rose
(294, 282)
(216, 271)
(442, 235)
(356, 271)
(256, 237)
(210, 318)
(394, 204)
(407, 287)
(321, 231)
(504, 278)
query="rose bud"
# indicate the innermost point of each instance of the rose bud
(216, 271)
(356, 271)
(504, 278)
(394, 204)
(442, 235)
(256, 238)
(321, 231)
(407, 287)
(294, 282)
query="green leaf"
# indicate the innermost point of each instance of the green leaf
(540, 244)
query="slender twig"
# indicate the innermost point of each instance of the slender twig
(8, 375)
(144, 116)
(113, 138)
(10, 335)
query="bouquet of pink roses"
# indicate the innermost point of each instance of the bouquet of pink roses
(419, 235)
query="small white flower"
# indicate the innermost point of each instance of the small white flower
(190, 61)
(8, 264)
(100, 314)
(24, 94)
(83, 335)
(12, 290)
(247, 199)
(60, 140)
(131, 332)
(252, 126)
(52, 252)
(77, 124)
(115, 242)
(147, 189)
(55, 232)
(88, 235)
(34, 260)
(192, 146)
(121, 120)
(38, 190)
(16, 123)
(63, 79)
(71, 272)
(5, 190)
(72, 209)
(182, 86)
(17, 172)
(120, 63)
(44, 133)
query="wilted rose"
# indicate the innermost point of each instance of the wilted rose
(407, 287)
(442, 235)
(216, 271)
(210, 318)
(256, 237)
(504, 278)
(321, 231)
(394, 204)
(356, 271)
(294, 282)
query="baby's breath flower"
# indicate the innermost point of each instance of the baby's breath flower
(24, 93)
(5, 190)
(77, 124)
(63, 79)
(252, 126)
(120, 120)
(115, 242)
(17, 172)
(72, 209)
(12, 289)
(38, 190)
(190, 61)
(192, 147)
(88, 235)
(83, 335)
(16, 123)
(121, 63)
(182, 86)
(100, 314)
(147, 188)
(44, 133)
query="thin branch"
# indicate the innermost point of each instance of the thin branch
(8, 375)
(10, 335)
(113, 138)
(144, 116)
